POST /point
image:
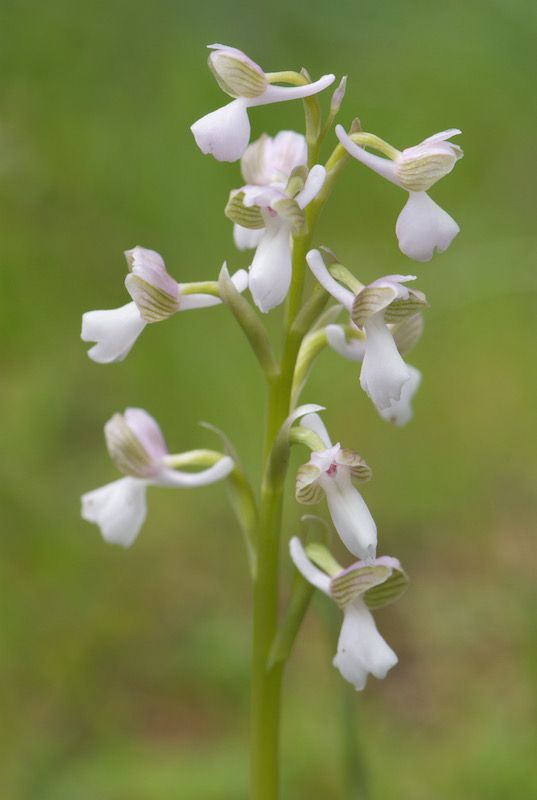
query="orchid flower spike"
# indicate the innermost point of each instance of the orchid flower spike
(422, 226)
(361, 650)
(155, 296)
(385, 378)
(225, 133)
(269, 162)
(277, 211)
(331, 471)
(138, 449)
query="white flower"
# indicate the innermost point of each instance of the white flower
(361, 650)
(271, 268)
(386, 379)
(156, 296)
(137, 447)
(331, 471)
(225, 133)
(269, 162)
(422, 226)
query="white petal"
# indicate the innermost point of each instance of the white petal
(351, 349)
(382, 166)
(400, 411)
(315, 424)
(423, 227)
(442, 136)
(312, 187)
(115, 331)
(283, 153)
(271, 269)
(361, 650)
(224, 133)
(383, 370)
(339, 292)
(119, 509)
(350, 514)
(308, 570)
(247, 238)
(277, 94)
(193, 301)
(190, 480)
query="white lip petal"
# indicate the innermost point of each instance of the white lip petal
(383, 370)
(350, 514)
(339, 292)
(224, 133)
(423, 227)
(400, 411)
(247, 238)
(278, 94)
(312, 187)
(351, 349)
(382, 166)
(119, 509)
(271, 269)
(190, 480)
(114, 330)
(361, 649)
(314, 423)
(308, 570)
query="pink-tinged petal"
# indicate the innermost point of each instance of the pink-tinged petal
(114, 330)
(399, 412)
(351, 349)
(423, 228)
(286, 151)
(312, 187)
(271, 268)
(383, 370)
(361, 649)
(224, 133)
(191, 480)
(119, 509)
(307, 568)
(147, 431)
(339, 292)
(382, 166)
(247, 238)
(278, 94)
(150, 267)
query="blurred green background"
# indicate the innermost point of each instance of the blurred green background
(123, 674)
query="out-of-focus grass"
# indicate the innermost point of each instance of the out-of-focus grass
(124, 674)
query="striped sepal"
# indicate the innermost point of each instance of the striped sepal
(296, 181)
(358, 467)
(419, 174)
(387, 592)
(370, 301)
(246, 216)
(153, 304)
(355, 581)
(126, 450)
(307, 489)
(293, 214)
(236, 76)
(408, 332)
(406, 307)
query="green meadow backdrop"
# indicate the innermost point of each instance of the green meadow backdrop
(123, 674)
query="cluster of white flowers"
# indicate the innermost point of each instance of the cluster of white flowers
(269, 212)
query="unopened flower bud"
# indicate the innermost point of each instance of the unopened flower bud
(236, 73)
